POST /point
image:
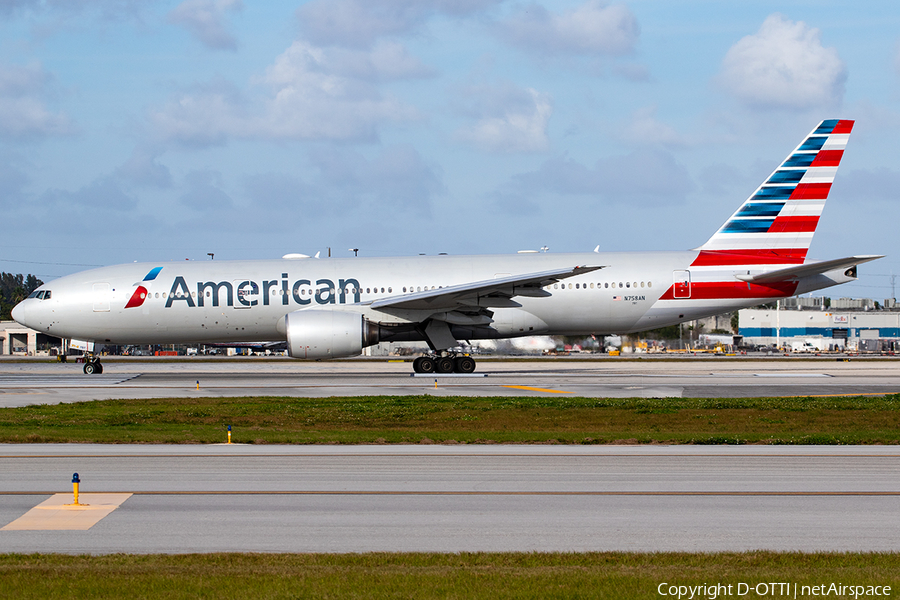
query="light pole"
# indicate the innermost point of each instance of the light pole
(778, 324)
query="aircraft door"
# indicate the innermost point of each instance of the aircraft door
(101, 297)
(682, 287)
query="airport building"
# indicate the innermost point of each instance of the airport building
(852, 324)
(20, 340)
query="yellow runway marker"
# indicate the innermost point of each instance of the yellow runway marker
(57, 513)
(534, 389)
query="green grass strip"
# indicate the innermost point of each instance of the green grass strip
(426, 419)
(602, 575)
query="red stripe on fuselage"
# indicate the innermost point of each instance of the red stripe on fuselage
(723, 258)
(719, 290)
(793, 224)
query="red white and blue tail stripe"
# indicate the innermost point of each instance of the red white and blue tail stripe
(776, 223)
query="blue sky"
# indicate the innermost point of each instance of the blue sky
(143, 130)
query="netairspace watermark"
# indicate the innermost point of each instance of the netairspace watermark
(712, 591)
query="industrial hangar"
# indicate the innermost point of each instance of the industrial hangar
(845, 324)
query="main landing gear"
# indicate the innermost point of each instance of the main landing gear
(444, 364)
(92, 365)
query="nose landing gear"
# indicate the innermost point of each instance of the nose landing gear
(92, 365)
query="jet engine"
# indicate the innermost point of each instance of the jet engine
(316, 334)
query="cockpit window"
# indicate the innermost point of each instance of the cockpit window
(33, 294)
(47, 295)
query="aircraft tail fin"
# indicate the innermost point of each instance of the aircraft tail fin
(775, 225)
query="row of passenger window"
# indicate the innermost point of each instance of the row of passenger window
(604, 285)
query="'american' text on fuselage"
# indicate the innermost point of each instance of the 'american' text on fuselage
(247, 292)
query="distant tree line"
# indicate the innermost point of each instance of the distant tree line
(14, 289)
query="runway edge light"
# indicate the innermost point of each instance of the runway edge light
(229, 434)
(75, 481)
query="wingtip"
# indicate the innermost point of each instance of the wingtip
(868, 257)
(587, 269)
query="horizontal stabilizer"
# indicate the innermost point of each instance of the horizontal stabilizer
(453, 296)
(808, 269)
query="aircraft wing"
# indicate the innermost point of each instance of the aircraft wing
(491, 292)
(809, 269)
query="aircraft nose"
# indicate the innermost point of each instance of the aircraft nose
(18, 313)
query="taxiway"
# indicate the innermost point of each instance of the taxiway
(43, 382)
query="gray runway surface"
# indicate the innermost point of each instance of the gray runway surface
(462, 498)
(48, 383)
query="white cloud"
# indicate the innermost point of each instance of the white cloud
(509, 119)
(397, 181)
(335, 67)
(205, 116)
(102, 194)
(308, 93)
(13, 180)
(646, 176)
(359, 23)
(783, 65)
(645, 128)
(142, 168)
(205, 20)
(204, 191)
(632, 71)
(108, 8)
(591, 29)
(869, 186)
(102, 204)
(23, 112)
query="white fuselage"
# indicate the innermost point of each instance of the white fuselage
(223, 301)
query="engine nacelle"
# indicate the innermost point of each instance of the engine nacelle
(319, 334)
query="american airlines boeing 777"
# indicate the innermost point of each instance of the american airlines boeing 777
(329, 308)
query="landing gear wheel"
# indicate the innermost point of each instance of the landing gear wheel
(464, 364)
(417, 365)
(443, 364)
(93, 368)
(426, 364)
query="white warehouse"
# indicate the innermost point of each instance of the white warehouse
(832, 328)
